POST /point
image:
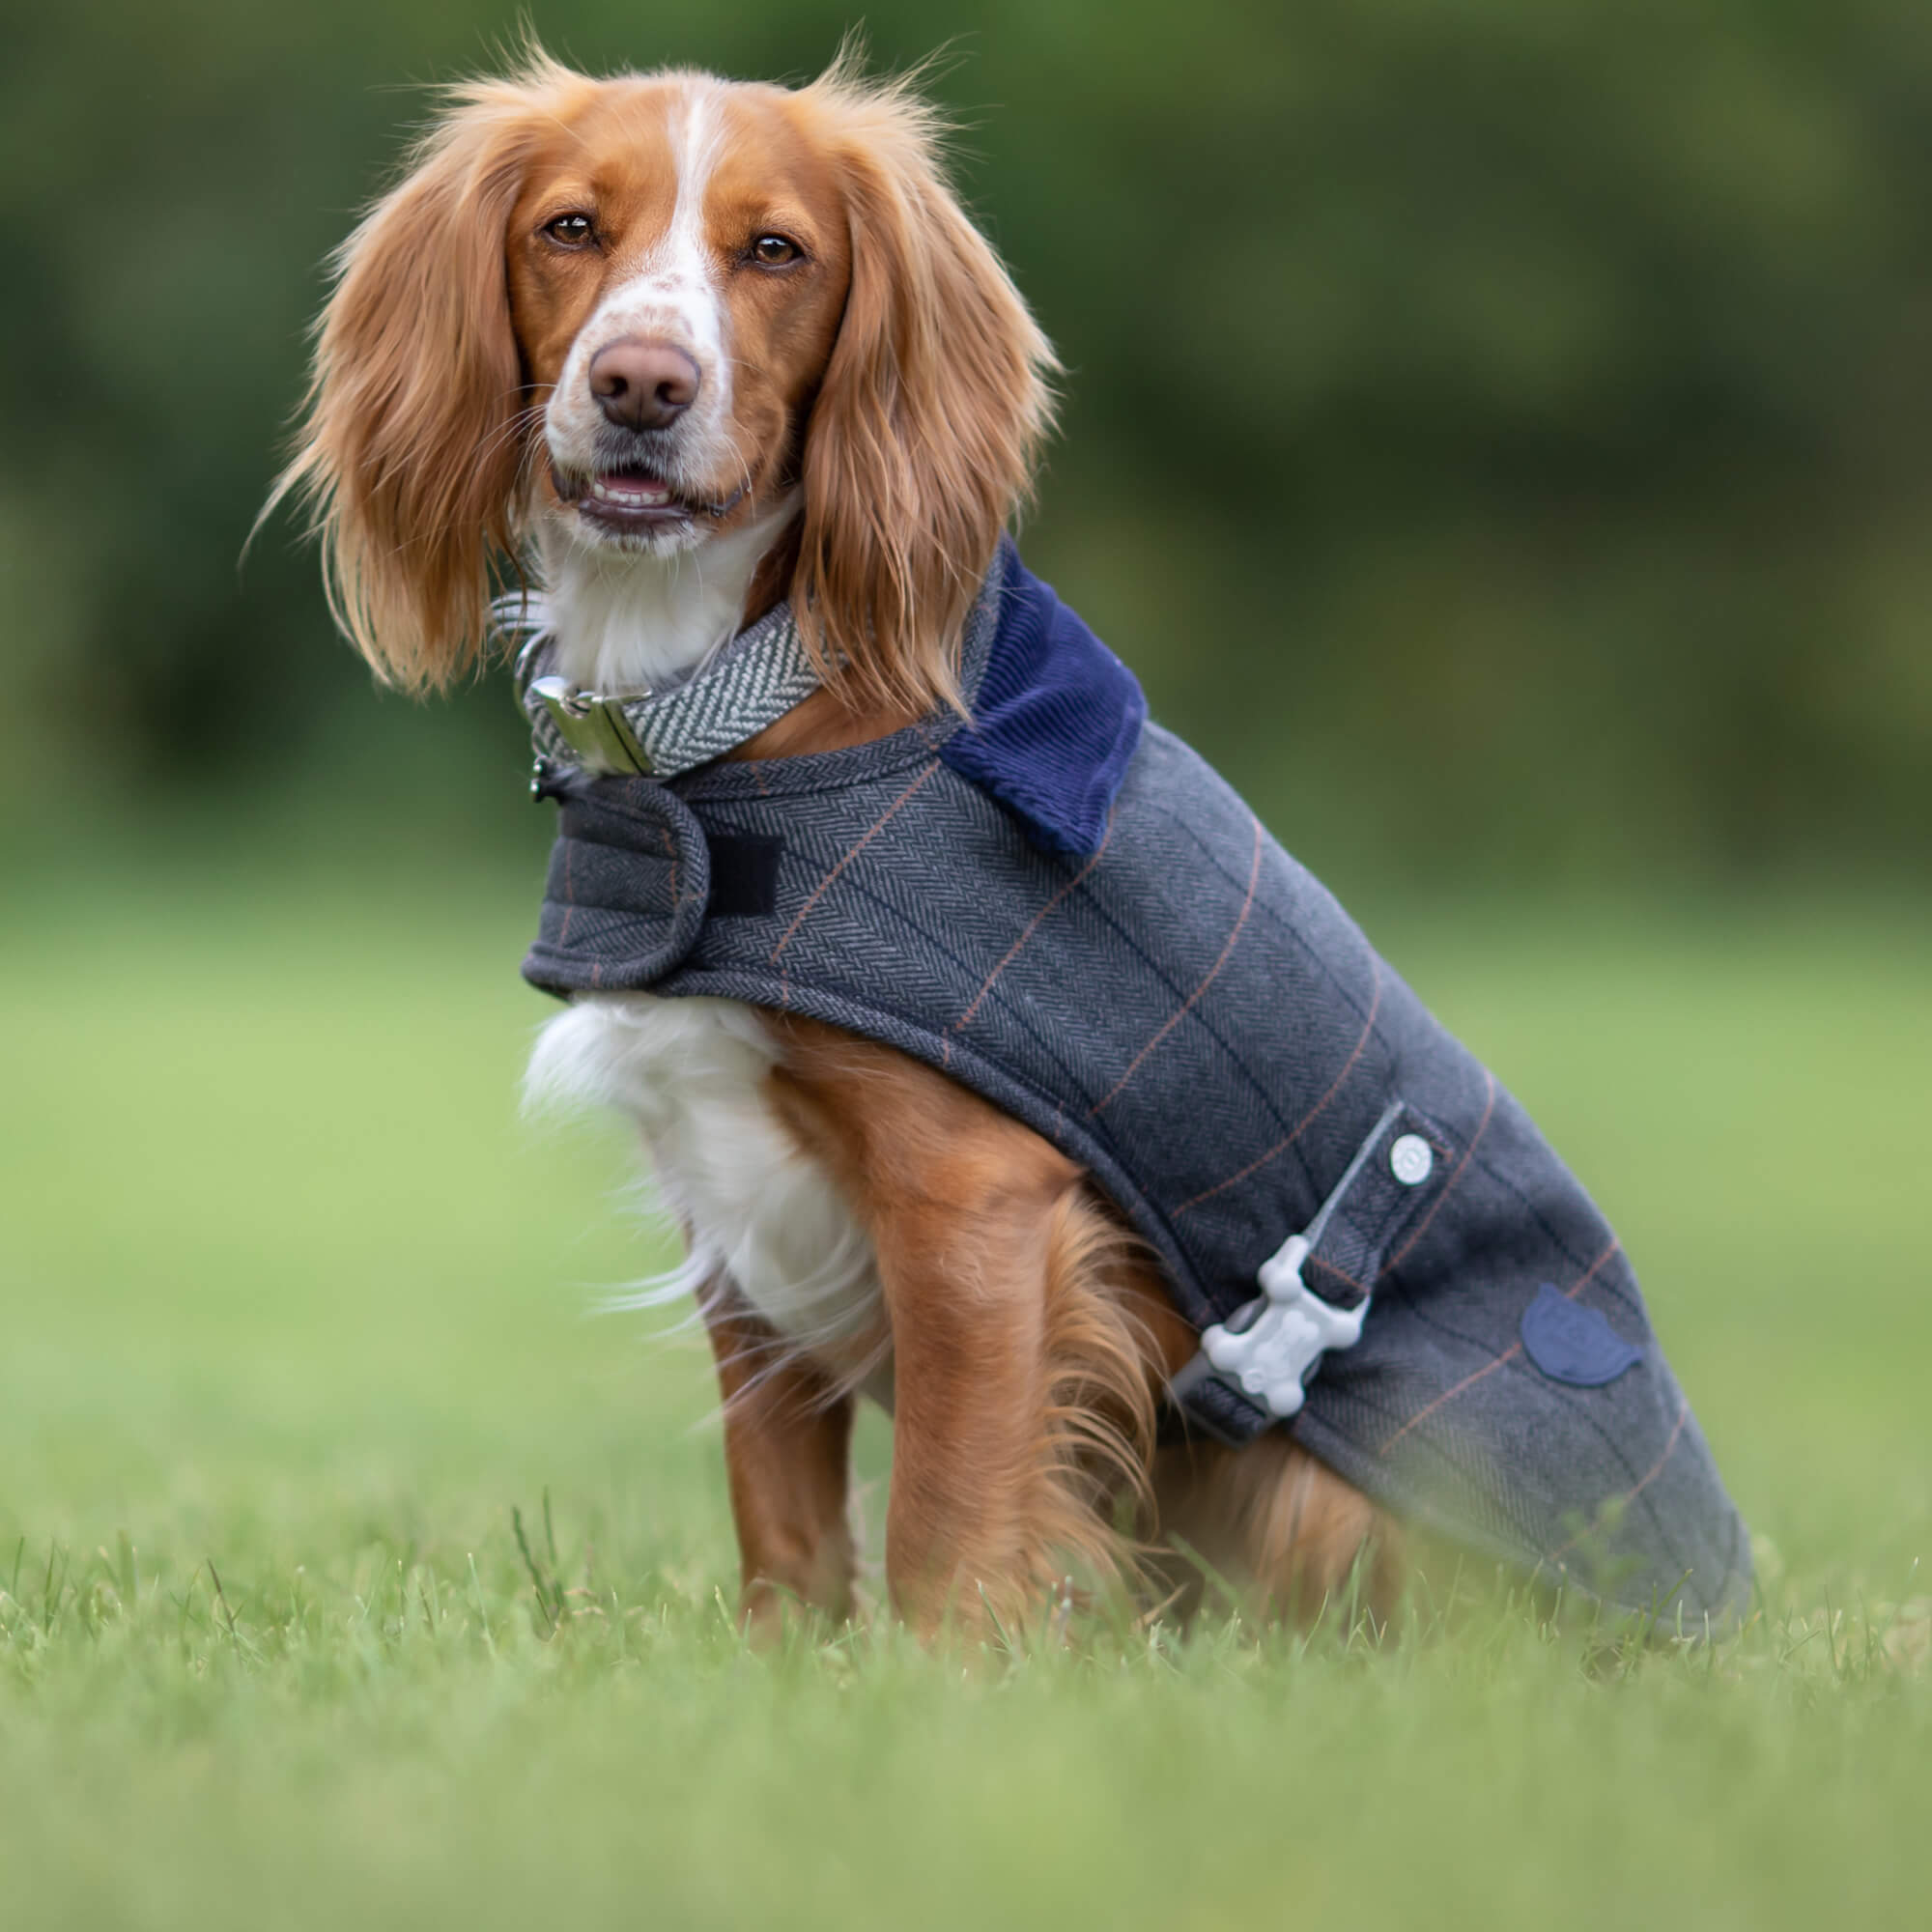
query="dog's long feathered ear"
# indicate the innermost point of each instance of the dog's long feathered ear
(923, 439)
(410, 449)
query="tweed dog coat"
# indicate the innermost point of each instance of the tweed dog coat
(1063, 908)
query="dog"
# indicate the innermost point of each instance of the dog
(692, 353)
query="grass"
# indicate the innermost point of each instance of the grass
(354, 1574)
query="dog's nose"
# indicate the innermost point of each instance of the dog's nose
(643, 385)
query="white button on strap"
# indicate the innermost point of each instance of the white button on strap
(1410, 1160)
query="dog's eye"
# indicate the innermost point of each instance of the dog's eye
(773, 251)
(571, 231)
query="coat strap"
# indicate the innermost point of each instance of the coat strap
(1316, 1287)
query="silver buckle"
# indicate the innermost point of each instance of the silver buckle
(594, 727)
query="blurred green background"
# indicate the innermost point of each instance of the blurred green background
(1497, 433)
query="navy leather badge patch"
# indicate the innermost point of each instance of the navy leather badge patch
(1573, 1343)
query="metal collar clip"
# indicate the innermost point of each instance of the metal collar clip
(594, 727)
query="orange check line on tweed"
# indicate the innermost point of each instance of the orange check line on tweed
(1631, 1495)
(1032, 927)
(1307, 1119)
(1508, 1355)
(863, 839)
(1240, 919)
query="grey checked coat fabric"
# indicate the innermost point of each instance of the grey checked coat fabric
(1185, 1011)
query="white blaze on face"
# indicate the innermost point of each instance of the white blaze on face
(631, 612)
(674, 298)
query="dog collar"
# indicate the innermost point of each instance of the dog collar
(748, 683)
(1054, 715)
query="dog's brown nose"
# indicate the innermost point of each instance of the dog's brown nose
(643, 385)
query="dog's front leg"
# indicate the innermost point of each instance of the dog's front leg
(965, 1286)
(787, 1438)
(964, 1206)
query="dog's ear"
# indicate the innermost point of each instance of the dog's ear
(410, 454)
(923, 439)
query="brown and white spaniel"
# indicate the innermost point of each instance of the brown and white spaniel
(682, 348)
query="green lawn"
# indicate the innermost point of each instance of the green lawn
(292, 1296)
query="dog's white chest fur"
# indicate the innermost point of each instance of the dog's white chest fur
(692, 1073)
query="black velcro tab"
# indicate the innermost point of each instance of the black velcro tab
(744, 874)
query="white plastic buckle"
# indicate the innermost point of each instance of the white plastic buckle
(1270, 1347)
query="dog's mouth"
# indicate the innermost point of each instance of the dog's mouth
(635, 498)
